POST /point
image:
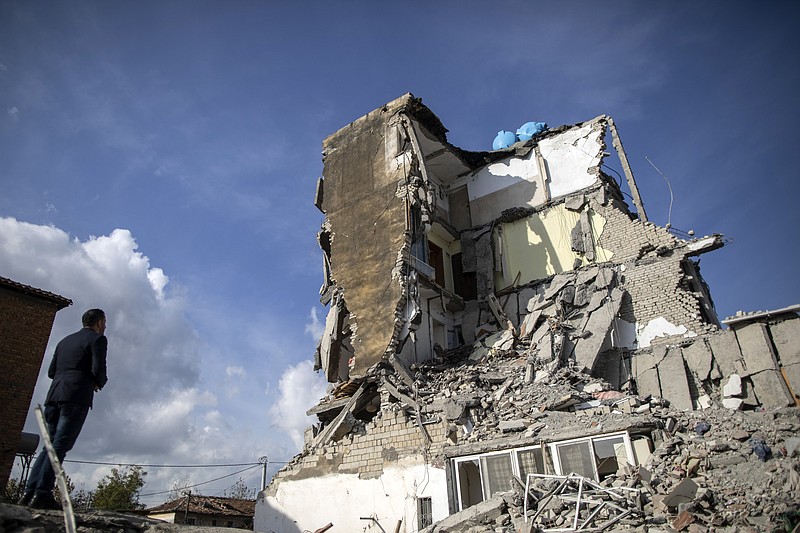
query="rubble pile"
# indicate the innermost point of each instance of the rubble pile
(711, 470)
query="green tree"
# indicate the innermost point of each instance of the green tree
(13, 491)
(120, 489)
(240, 490)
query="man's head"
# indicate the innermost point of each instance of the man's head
(94, 319)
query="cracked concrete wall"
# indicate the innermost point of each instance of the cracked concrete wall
(561, 164)
(388, 458)
(753, 364)
(539, 246)
(368, 229)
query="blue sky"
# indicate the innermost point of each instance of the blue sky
(159, 159)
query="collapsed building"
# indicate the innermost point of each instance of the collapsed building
(501, 319)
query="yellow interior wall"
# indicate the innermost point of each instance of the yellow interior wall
(540, 245)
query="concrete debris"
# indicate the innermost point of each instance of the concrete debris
(487, 304)
(17, 519)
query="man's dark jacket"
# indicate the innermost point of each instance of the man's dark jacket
(78, 366)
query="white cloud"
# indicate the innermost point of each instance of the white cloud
(300, 389)
(315, 328)
(13, 112)
(234, 375)
(157, 406)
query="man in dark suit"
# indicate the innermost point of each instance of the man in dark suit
(78, 370)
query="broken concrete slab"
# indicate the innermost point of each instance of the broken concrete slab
(786, 339)
(674, 381)
(756, 347)
(478, 515)
(683, 492)
(645, 371)
(529, 324)
(604, 278)
(558, 283)
(771, 390)
(698, 358)
(726, 351)
(587, 275)
(587, 349)
(735, 404)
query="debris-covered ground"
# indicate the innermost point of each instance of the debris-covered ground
(712, 470)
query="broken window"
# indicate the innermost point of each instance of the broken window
(424, 512)
(497, 472)
(479, 477)
(436, 260)
(596, 457)
(531, 461)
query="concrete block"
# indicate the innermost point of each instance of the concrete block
(733, 388)
(704, 401)
(771, 390)
(734, 404)
(756, 347)
(786, 339)
(698, 358)
(528, 324)
(725, 350)
(674, 380)
(644, 369)
(507, 426)
(510, 306)
(585, 276)
(587, 349)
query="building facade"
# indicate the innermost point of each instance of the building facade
(461, 286)
(26, 319)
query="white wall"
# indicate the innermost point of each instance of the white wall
(343, 499)
(517, 181)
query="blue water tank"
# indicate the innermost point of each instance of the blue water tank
(529, 129)
(504, 139)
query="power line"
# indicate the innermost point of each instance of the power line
(164, 466)
(202, 482)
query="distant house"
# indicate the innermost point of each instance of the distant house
(196, 510)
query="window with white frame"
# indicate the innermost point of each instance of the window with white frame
(480, 476)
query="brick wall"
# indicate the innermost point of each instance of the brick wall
(653, 275)
(25, 324)
(390, 437)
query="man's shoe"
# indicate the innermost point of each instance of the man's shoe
(26, 498)
(44, 501)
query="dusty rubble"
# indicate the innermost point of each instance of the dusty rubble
(18, 519)
(714, 470)
(498, 314)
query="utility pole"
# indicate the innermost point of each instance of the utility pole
(188, 495)
(264, 462)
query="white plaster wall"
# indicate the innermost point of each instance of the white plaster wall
(343, 499)
(659, 327)
(503, 174)
(569, 156)
(567, 159)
